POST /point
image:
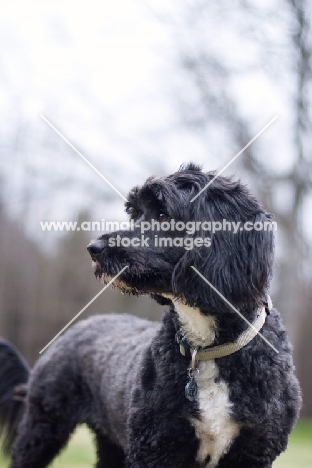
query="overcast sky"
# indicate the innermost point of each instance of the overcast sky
(104, 74)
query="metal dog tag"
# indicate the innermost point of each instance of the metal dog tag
(191, 386)
(191, 389)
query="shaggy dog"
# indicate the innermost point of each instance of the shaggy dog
(202, 389)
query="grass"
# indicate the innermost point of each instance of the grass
(299, 451)
(80, 452)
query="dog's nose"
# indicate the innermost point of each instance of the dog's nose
(95, 248)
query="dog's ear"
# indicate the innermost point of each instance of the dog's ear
(238, 265)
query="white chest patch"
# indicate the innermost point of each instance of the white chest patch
(215, 430)
(197, 328)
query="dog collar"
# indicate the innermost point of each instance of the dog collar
(226, 349)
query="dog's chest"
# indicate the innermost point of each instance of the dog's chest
(215, 429)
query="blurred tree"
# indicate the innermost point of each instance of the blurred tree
(301, 178)
(20, 275)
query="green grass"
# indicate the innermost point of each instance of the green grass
(80, 452)
(299, 451)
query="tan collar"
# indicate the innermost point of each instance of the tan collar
(230, 348)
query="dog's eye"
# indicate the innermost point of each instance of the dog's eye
(162, 217)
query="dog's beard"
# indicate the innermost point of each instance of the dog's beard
(119, 284)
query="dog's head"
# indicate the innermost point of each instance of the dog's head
(236, 260)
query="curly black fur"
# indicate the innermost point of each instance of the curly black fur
(125, 377)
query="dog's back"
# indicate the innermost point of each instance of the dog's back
(87, 370)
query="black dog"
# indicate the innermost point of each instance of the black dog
(201, 390)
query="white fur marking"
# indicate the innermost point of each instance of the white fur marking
(198, 328)
(215, 429)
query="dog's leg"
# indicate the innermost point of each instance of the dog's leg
(252, 449)
(161, 442)
(40, 438)
(109, 454)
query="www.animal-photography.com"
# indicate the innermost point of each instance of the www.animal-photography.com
(155, 235)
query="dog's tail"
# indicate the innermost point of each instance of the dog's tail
(14, 375)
